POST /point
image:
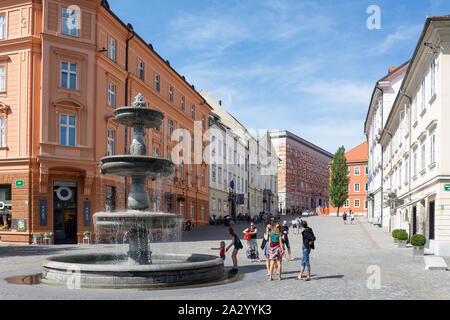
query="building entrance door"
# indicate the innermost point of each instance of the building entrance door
(431, 221)
(65, 212)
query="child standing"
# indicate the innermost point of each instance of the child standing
(222, 250)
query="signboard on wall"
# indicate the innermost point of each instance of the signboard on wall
(43, 212)
(20, 183)
(20, 225)
(447, 187)
(87, 213)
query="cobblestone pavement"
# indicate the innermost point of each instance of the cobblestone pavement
(339, 267)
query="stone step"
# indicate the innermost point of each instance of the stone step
(435, 263)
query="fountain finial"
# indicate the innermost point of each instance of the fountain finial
(139, 101)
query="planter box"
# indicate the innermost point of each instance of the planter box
(402, 243)
(395, 240)
(419, 251)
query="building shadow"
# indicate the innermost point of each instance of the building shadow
(31, 250)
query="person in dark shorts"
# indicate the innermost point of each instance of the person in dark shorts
(285, 230)
(344, 217)
(236, 243)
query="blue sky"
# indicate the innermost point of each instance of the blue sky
(304, 66)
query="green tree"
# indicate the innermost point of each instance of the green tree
(339, 181)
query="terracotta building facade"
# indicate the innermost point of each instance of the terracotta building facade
(64, 67)
(302, 175)
(358, 173)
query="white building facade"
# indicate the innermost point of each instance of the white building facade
(414, 140)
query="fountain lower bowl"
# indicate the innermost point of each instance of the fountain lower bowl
(111, 271)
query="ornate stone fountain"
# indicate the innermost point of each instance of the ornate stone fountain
(139, 268)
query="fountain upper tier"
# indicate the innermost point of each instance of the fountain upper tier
(137, 166)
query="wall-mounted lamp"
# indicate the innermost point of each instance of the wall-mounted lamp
(102, 50)
(434, 48)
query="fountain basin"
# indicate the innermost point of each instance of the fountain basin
(139, 116)
(137, 220)
(137, 166)
(112, 271)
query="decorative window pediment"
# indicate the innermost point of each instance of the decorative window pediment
(69, 103)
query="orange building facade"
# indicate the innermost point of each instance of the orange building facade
(64, 67)
(357, 162)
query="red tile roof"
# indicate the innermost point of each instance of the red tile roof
(358, 154)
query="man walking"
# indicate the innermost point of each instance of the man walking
(308, 245)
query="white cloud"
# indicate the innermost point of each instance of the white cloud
(402, 34)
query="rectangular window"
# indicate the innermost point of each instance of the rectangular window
(67, 127)
(213, 173)
(415, 163)
(181, 169)
(111, 142)
(2, 132)
(170, 132)
(68, 75)
(171, 94)
(432, 148)
(357, 203)
(2, 78)
(366, 187)
(112, 49)
(366, 169)
(2, 27)
(182, 104)
(156, 152)
(357, 172)
(157, 84)
(423, 95)
(433, 78)
(203, 177)
(406, 170)
(191, 171)
(347, 204)
(422, 159)
(111, 95)
(192, 209)
(415, 107)
(203, 211)
(193, 112)
(141, 70)
(70, 22)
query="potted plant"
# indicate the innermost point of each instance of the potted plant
(402, 237)
(48, 235)
(37, 237)
(418, 241)
(87, 234)
(394, 235)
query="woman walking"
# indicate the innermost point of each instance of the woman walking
(236, 243)
(308, 244)
(252, 245)
(276, 250)
(267, 247)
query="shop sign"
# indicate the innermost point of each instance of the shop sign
(87, 214)
(447, 187)
(20, 225)
(20, 183)
(43, 212)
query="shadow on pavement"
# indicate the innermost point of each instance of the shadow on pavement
(19, 251)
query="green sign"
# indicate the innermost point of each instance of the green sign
(447, 187)
(20, 183)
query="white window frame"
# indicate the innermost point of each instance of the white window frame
(359, 171)
(112, 49)
(182, 103)
(2, 132)
(423, 150)
(111, 95)
(432, 148)
(356, 203)
(111, 142)
(69, 73)
(141, 70)
(2, 78)
(171, 94)
(357, 187)
(424, 95)
(2, 26)
(67, 17)
(347, 203)
(433, 78)
(68, 126)
(157, 83)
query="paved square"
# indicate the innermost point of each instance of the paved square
(343, 265)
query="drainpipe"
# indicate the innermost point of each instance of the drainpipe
(130, 29)
(30, 134)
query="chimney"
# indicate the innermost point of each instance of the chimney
(392, 69)
(220, 102)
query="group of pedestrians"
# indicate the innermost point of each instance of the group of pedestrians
(274, 244)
